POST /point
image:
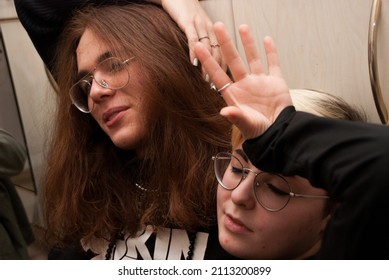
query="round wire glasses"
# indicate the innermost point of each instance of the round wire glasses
(272, 191)
(111, 73)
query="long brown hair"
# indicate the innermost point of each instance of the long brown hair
(90, 188)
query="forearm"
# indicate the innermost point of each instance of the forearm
(44, 21)
(347, 159)
(315, 147)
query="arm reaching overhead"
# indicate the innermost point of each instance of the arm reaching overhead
(44, 21)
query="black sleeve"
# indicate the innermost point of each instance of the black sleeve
(44, 21)
(348, 159)
(73, 251)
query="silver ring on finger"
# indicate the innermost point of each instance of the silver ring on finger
(225, 86)
(203, 37)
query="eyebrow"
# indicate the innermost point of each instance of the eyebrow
(242, 154)
(81, 74)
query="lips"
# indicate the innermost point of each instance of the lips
(113, 115)
(235, 225)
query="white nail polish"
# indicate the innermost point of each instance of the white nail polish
(195, 62)
(207, 78)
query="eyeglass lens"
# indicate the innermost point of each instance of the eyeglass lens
(111, 73)
(271, 190)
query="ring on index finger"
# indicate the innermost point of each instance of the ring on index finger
(225, 86)
(203, 37)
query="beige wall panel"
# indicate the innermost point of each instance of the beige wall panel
(221, 10)
(33, 91)
(35, 98)
(322, 44)
(7, 9)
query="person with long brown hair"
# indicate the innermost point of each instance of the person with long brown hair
(129, 169)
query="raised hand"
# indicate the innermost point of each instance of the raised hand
(254, 98)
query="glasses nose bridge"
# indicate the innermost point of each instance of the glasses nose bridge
(98, 86)
(247, 171)
(98, 76)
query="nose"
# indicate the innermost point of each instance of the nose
(98, 92)
(243, 195)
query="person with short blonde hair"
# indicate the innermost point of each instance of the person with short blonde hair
(295, 227)
(299, 186)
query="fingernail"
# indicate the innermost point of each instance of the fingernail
(195, 62)
(207, 78)
(213, 87)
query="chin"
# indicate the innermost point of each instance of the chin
(127, 146)
(236, 250)
(123, 144)
(235, 246)
(125, 141)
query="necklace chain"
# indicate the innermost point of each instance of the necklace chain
(120, 236)
(192, 240)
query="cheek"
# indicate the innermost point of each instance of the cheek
(223, 196)
(291, 225)
(309, 217)
(229, 179)
(223, 202)
(90, 103)
(314, 208)
(95, 114)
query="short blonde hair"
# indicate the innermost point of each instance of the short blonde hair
(326, 105)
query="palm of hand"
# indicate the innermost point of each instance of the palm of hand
(254, 102)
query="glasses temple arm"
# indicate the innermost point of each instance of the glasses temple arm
(308, 195)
